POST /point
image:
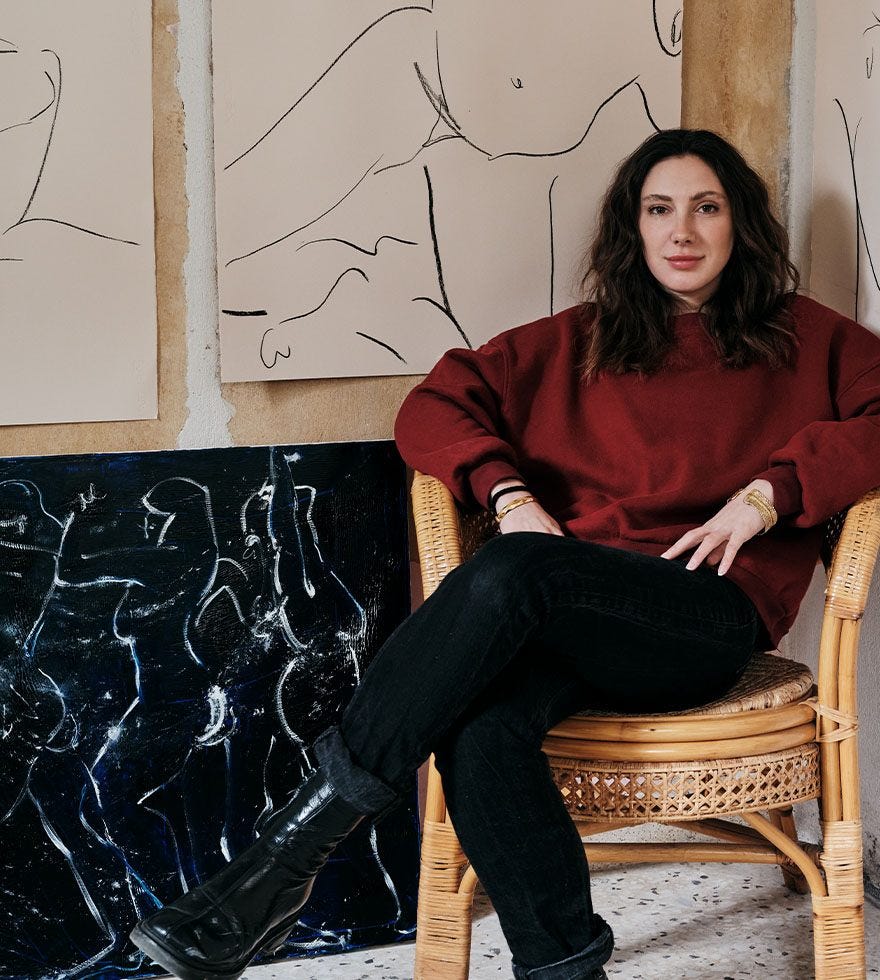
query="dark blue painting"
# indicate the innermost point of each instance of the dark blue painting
(175, 630)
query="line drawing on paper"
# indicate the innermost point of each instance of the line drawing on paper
(342, 275)
(861, 234)
(482, 182)
(849, 267)
(77, 213)
(381, 343)
(53, 75)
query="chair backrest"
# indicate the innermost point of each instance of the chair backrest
(476, 529)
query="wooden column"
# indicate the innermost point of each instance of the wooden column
(735, 79)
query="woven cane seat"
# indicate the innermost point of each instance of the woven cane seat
(768, 681)
(753, 749)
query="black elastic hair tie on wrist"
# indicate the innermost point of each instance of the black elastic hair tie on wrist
(498, 494)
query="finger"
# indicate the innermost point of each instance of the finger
(730, 552)
(709, 543)
(685, 542)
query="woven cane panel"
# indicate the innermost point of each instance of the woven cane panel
(600, 791)
(476, 529)
(830, 536)
(849, 577)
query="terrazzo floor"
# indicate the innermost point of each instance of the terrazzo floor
(687, 922)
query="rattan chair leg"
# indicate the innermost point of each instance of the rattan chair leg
(445, 913)
(838, 917)
(791, 874)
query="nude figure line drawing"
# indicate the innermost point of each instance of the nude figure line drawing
(53, 106)
(326, 72)
(845, 267)
(437, 97)
(354, 182)
(323, 214)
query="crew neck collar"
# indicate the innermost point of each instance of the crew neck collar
(689, 314)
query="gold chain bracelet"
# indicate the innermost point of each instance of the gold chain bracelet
(507, 508)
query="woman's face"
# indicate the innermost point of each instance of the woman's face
(686, 228)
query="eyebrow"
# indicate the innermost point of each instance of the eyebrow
(694, 197)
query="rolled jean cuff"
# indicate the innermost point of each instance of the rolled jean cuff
(580, 966)
(360, 789)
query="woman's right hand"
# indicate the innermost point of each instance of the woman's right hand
(529, 517)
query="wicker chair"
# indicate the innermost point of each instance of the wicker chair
(775, 740)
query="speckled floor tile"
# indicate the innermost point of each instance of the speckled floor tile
(688, 922)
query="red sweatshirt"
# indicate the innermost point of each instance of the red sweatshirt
(635, 462)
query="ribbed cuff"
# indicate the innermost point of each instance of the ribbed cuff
(786, 488)
(484, 477)
(360, 789)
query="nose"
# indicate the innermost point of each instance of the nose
(683, 231)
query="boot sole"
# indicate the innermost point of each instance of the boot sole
(188, 971)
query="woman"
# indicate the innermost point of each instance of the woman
(636, 450)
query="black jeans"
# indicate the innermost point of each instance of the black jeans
(533, 628)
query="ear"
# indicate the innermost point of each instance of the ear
(667, 24)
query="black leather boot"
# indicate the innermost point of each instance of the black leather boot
(251, 906)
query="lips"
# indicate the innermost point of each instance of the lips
(683, 261)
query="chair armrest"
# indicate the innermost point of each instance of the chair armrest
(438, 530)
(855, 554)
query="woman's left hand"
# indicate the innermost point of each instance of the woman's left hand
(721, 537)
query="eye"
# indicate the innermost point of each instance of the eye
(707, 207)
(658, 209)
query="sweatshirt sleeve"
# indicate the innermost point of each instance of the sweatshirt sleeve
(828, 465)
(449, 426)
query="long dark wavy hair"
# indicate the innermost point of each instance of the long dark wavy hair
(627, 313)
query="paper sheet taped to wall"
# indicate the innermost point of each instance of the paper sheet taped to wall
(77, 259)
(845, 271)
(396, 180)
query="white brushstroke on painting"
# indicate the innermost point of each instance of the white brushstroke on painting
(145, 576)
